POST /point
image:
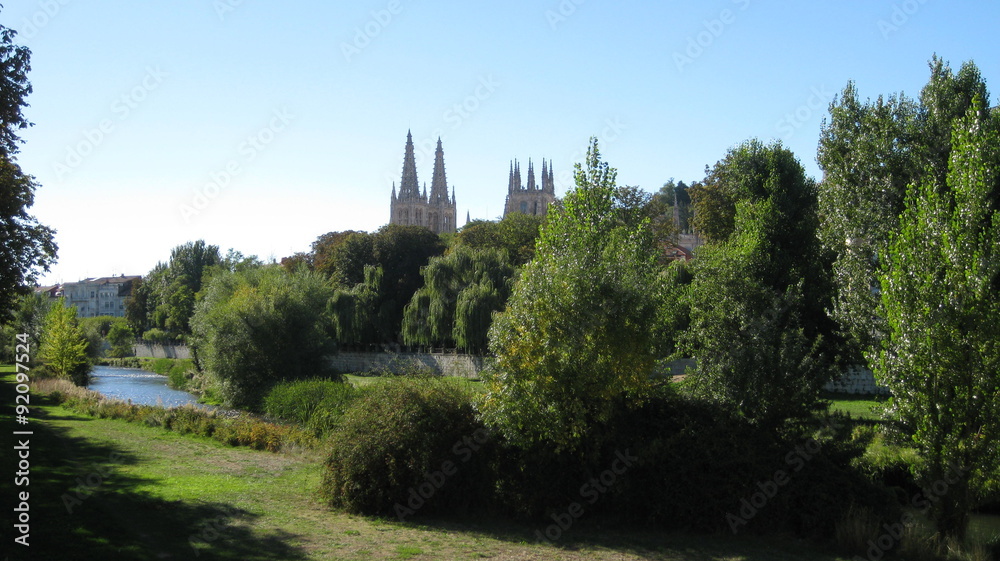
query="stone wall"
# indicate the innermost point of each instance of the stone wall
(466, 366)
(145, 350)
(857, 380)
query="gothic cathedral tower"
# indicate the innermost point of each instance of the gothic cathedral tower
(531, 199)
(411, 207)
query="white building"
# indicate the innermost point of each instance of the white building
(104, 296)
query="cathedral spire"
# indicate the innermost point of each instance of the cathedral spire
(517, 176)
(409, 188)
(531, 176)
(510, 178)
(439, 185)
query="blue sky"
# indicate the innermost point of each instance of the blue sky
(261, 125)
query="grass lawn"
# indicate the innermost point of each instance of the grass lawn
(860, 407)
(151, 494)
(365, 379)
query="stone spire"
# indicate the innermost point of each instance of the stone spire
(551, 187)
(409, 188)
(531, 176)
(439, 185)
(517, 176)
(510, 178)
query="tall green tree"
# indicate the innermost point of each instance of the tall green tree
(515, 233)
(461, 290)
(870, 152)
(260, 326)
(390, 261)
(26, 246)
(758, 326)
(940, 291)
(574, 342)
(64, 348)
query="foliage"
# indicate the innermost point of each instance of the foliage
(517, 234)
(28, 247)
(316, 405)
(371, 311)
(120, 337)
(461, 292)
(28, 317)
(395, 439)
(64, 348)
(575, 334)
(758, 295)
(257, 327)
(166, 298)
(869, 153)
(939, 289)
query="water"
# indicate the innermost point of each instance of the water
(139, 386)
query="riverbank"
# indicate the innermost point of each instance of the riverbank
(163, 495)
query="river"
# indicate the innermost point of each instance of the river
(138, 386)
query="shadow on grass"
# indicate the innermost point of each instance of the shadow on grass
(83, 507)
(644, 542)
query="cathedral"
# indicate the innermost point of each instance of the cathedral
(532, 199)
(413, 207)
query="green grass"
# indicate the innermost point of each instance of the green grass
(859, 407)
(364, 379)
(163, 495)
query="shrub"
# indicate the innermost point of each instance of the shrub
(408, 445)
(315, 404)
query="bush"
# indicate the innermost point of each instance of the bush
(408, 445)
(315, 404)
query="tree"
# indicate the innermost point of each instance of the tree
(516, 233)
(869, 153)
(758, 327)
(64, 348)
(121, 338)
(26, 247)
(391, 260)
(260, 326)
(574, 342)
(461, 291)
(166, 298)
(940, 292)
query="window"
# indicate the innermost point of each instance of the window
(524, 207)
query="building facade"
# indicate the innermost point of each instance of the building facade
(411, 207)
(99, 297)
(531, 199)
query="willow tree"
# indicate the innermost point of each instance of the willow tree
(461, 291)
(940, 289)
(575, 340)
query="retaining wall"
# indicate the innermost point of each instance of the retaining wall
(145, 350)
(466, 366)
